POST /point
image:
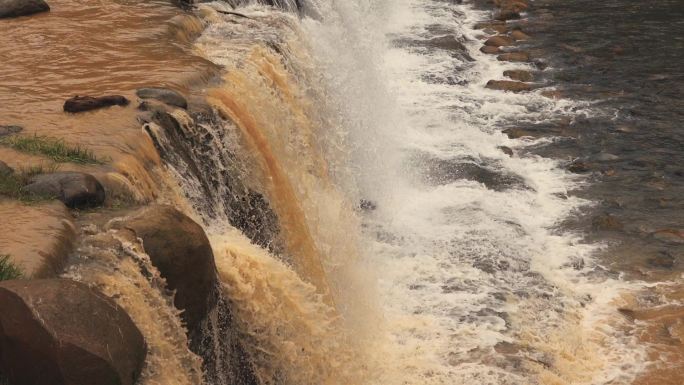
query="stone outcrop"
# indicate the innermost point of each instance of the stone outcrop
(88, 103)
(164, 95)
(16, 8)
(499, 41)
(180, 250)
(490, 50)
(75, 189)
(508, 85)
(61, 332)
(514, 57)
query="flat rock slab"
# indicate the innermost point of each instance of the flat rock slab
(16, 8)
(163, 95)
(59, 332)
(520, 75)
(514, 57)
(74, 189)
(88, 103)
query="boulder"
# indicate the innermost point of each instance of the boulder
(164, 95)
(87, 103)
(499, 41)
(579, 167)
(519, 35)
(490, 49)
(508, 85)
(75, 189)
(448, 42)
(180, 250)
(514, 56)
(5, 169)
(9, 130)
(516, 133)
(606, 222)
(519, 75)
(16, 8)
(61, 332)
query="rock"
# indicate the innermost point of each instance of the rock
(663, 260)
(552, 94)
(5, 169)
(87, 103)
(669, 235)
(9, 130)
(606, 222)
(520, 75)
(514, 57)
(61, 332)
(180, 249)
(492, 26)
(506, 150)
(516, 133)
(508, 85)
(519, 35)
(448, 42)
(75, 189)
(15, 8)
(499, 41)
(507, 14)
(579, 167)
(490, 49)
(164, 95)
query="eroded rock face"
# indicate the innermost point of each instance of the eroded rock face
(163, 95)
(75, 189)
(16, 8)
(180, 250)
(88, 103)
(490, 49)
(61, 332)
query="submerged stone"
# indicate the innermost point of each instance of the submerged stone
(62, 332)
(16, 8)
(88, 103)
(75, 189)
(164, 95)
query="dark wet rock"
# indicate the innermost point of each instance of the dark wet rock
(508, 85)
(606, 222)
(164, 95)
(507, 14)
(180, 249)
(440, 172)
(490, 49)
(88, 103)
(448, 42)
(519, 35)
(58, 331)
(367, 205)
(499, 41)
(16, 8)
(10, 130)
(663, 260)
(669, 235)
(506, 150)
(579, 167)
(75, 189)
(519, 75)
(5, 169)
(516, 133)
(519, 57)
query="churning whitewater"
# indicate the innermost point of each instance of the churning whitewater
(417, 251)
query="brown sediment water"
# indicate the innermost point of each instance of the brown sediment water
(97, 48)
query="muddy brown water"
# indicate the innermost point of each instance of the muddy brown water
(91, 47)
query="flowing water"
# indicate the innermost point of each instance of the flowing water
(390, 240)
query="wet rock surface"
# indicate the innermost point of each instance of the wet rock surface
(519, 75)
(59, 331)
(441, 172)
(74, 189)
(180, 249)
(164, 95)
(508, 85)
(16, 8)
(89, 103)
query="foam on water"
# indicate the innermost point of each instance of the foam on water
(477, 281)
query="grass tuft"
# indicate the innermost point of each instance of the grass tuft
(56, 149)
(8, 270)
(11, 185)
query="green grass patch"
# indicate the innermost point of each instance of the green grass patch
(11, 184)
(56, 149)
(8, 270)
